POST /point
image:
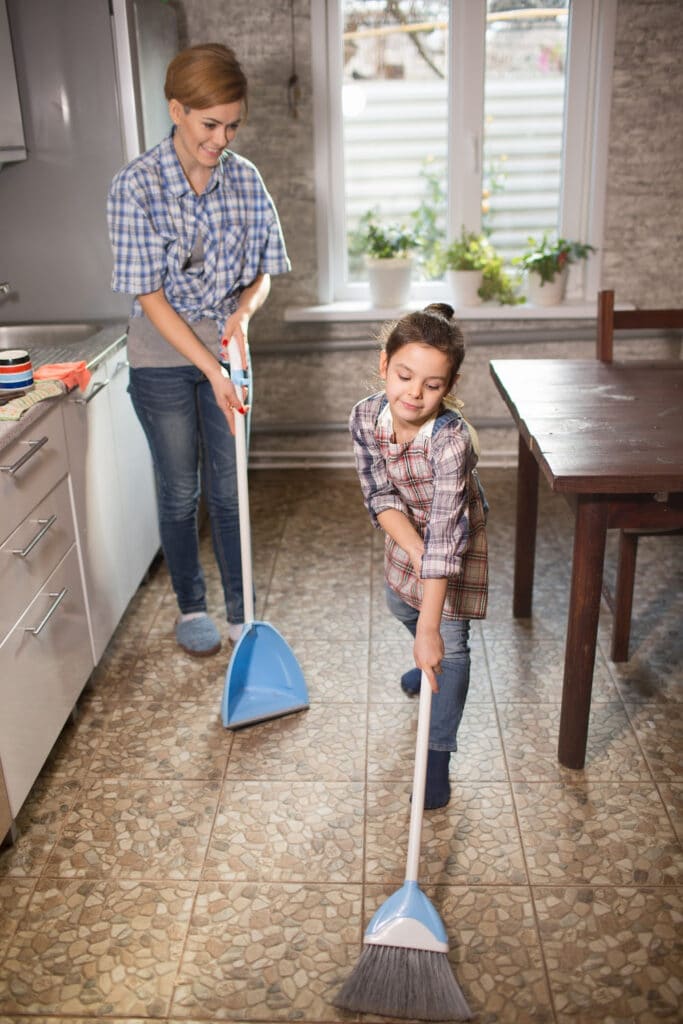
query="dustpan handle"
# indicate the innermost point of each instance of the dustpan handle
(419, 780)
(238, 378)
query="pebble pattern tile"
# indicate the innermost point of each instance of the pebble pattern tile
(170, 871)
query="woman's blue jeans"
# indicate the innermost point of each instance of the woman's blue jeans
(454, 680)
(191, 447)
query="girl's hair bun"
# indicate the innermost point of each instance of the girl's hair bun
(440, 309)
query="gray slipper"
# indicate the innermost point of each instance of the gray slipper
(198, 637)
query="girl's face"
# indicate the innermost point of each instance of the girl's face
(202, 135)
(417, 377)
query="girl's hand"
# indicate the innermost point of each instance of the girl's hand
(415, 554)
(428, 651)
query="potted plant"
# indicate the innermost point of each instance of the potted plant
(387, 250)
(546, 264)
(475, 272)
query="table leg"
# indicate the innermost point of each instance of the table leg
(525, 531)
(590, 533)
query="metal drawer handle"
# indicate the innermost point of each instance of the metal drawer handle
(35, 446)
(46, 524)
(120, 367)
(95, 391)
(37, 630)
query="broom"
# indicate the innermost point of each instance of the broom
(404, 970)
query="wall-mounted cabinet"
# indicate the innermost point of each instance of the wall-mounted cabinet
(12, 144)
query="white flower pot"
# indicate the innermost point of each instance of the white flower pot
(389, 281)
(464, 286)
(546, 293)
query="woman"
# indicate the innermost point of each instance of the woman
(195, 237)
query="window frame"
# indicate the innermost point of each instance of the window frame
(592, 30)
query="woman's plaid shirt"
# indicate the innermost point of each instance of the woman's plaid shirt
(432, 480)
(154, 217)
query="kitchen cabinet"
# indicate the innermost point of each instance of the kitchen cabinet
(135, 477)
(113, 495)
(78, 531)
(45, 657)
(12, 144)
(45, 664)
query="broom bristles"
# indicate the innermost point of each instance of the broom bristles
(393, 981)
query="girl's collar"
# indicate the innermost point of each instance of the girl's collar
(385, 420)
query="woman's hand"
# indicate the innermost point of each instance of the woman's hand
(227, 398)
(428, 651)
(235, 329)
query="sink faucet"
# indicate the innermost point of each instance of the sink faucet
(5, 287)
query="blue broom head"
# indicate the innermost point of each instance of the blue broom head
(408, 919)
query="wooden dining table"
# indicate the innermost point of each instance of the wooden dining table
(609, 436)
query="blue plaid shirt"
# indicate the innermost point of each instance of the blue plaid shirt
(154, 216)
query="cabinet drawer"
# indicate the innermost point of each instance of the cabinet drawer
(44, 663)
(30, 466)
(29, 555)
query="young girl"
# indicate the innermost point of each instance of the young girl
(416, 458)
(196, 238)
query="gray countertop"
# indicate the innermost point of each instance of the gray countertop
(91, 349)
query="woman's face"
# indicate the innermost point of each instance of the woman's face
(417, 377)
(202, 135)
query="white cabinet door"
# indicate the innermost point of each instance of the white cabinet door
(44, 662)
(97, 504)
(113, 495)
(135, 475)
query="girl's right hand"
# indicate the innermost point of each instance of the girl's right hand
(428, 651)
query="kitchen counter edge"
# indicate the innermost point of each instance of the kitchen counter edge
(93, 350)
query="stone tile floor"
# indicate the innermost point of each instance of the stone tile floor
(168, 870)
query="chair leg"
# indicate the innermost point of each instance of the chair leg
(623, 597)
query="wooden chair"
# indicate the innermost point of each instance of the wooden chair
(609, 321)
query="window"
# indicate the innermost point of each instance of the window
(487, 114)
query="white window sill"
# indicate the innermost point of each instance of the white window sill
(571, 309)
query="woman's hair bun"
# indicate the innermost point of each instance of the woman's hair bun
(440, 309)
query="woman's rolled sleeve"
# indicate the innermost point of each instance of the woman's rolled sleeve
(274, 259)
(139, 251)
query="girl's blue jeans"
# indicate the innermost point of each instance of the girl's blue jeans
(448, 704)
(191, 446)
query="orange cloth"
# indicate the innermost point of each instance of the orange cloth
(73, 374)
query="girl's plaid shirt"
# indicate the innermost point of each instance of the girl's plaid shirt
(432, 480)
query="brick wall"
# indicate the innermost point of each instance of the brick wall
(644, 218)
(645, 194)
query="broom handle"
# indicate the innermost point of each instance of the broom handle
(419, 780)
(243, 493)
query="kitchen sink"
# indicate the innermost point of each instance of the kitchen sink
(27, 335)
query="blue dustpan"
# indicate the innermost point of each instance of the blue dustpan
(263, 679)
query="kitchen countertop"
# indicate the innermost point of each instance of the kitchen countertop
(91, 349)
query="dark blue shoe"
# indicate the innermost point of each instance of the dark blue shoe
(410, 682)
